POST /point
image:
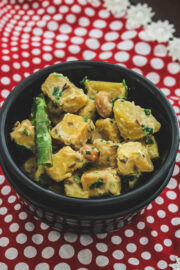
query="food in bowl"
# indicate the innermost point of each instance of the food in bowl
(87, 143)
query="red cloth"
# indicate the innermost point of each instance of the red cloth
(34, 34)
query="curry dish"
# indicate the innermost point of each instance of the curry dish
(87, 143)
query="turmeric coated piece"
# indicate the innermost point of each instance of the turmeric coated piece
(133, 157)
(101, 182)
(65, 162)
(64, 93)
(73, 130)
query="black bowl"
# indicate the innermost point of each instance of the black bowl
(92, 215)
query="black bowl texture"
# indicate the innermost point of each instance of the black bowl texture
(92, 215)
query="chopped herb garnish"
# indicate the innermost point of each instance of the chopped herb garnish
(95, 172)
(58, 74)
(76, 177)
(112, 184)
(92, 98)
(25, 132)
(147, 111)
(97, 184)
(85, 119)
(111, 121)
(108, 158)
(116, 146)
(107, 142)
(57, 93)
(126, 88)
(83, 80)
(93, 147)
(101, 140)
(149, 132)
(88, 152)
(148, 140)
(116, 98)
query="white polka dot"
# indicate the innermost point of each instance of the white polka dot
(161, 213)
(66, 251)
(164, 228)
(175, 221)
(116, 240)
(177, 92)
(53, 236)
(70, 237)
(5, 93)
(121, 56)
(176, 170)
(139, 60)
(146, 255)
(158, 247)
(144, 36)
(74, 49)
(99, 23)
(154, 233)
(2, 178)
(76, 40)
(108, 46)
(118, 254)
(133, 261)
(44, 226)
(14, 227)
(5, 190)
(142, 48)
(157, 63)
(144, 240)
(131, 247)
(47, 252)
(80, 31)
(4, 241)
(150, 219)
(8, 218)
(119, 266)
(62, 266)
(177, 234)
(5, 80)
(59, 53)
(141, 225)
(154, 77)
(3, 266)
(101, 235)
(96, 33)
(173, 68)
(3, 210)
(21, 238)
(51, 10)
(116, 25)
(110, 36)
(65, 28)
(22, 266)
(16, 77)
(129, 233)
(83, 21)
(169, 81)
(11, 253)
(52, 25)
(42, 266)
(37, 31)
(71, 18)
(167, 242)
(60, 45)
(173, 208)
(101, 247)
(85, 256)
(162, 264)
(85, 240)
(88, 55)
(22, 215)
(89, 12)
(171, 195)
(5, 68)
(29, 226)
(105, 55)
(165, 91)
(36, 60)
(129, 34)
(30, 252)
(160, 50)
(47, 57)
(37, 239)
(126, 45)
(102, 261)
(92, 43)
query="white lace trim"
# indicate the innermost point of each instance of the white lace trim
(117, 7)
(174, 49)
(141, 15)
(160, 31)
(176, 266)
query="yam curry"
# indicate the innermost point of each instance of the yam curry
(87, 143)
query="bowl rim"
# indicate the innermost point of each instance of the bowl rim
(78, 201)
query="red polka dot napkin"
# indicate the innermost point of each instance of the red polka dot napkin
(34, 34)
